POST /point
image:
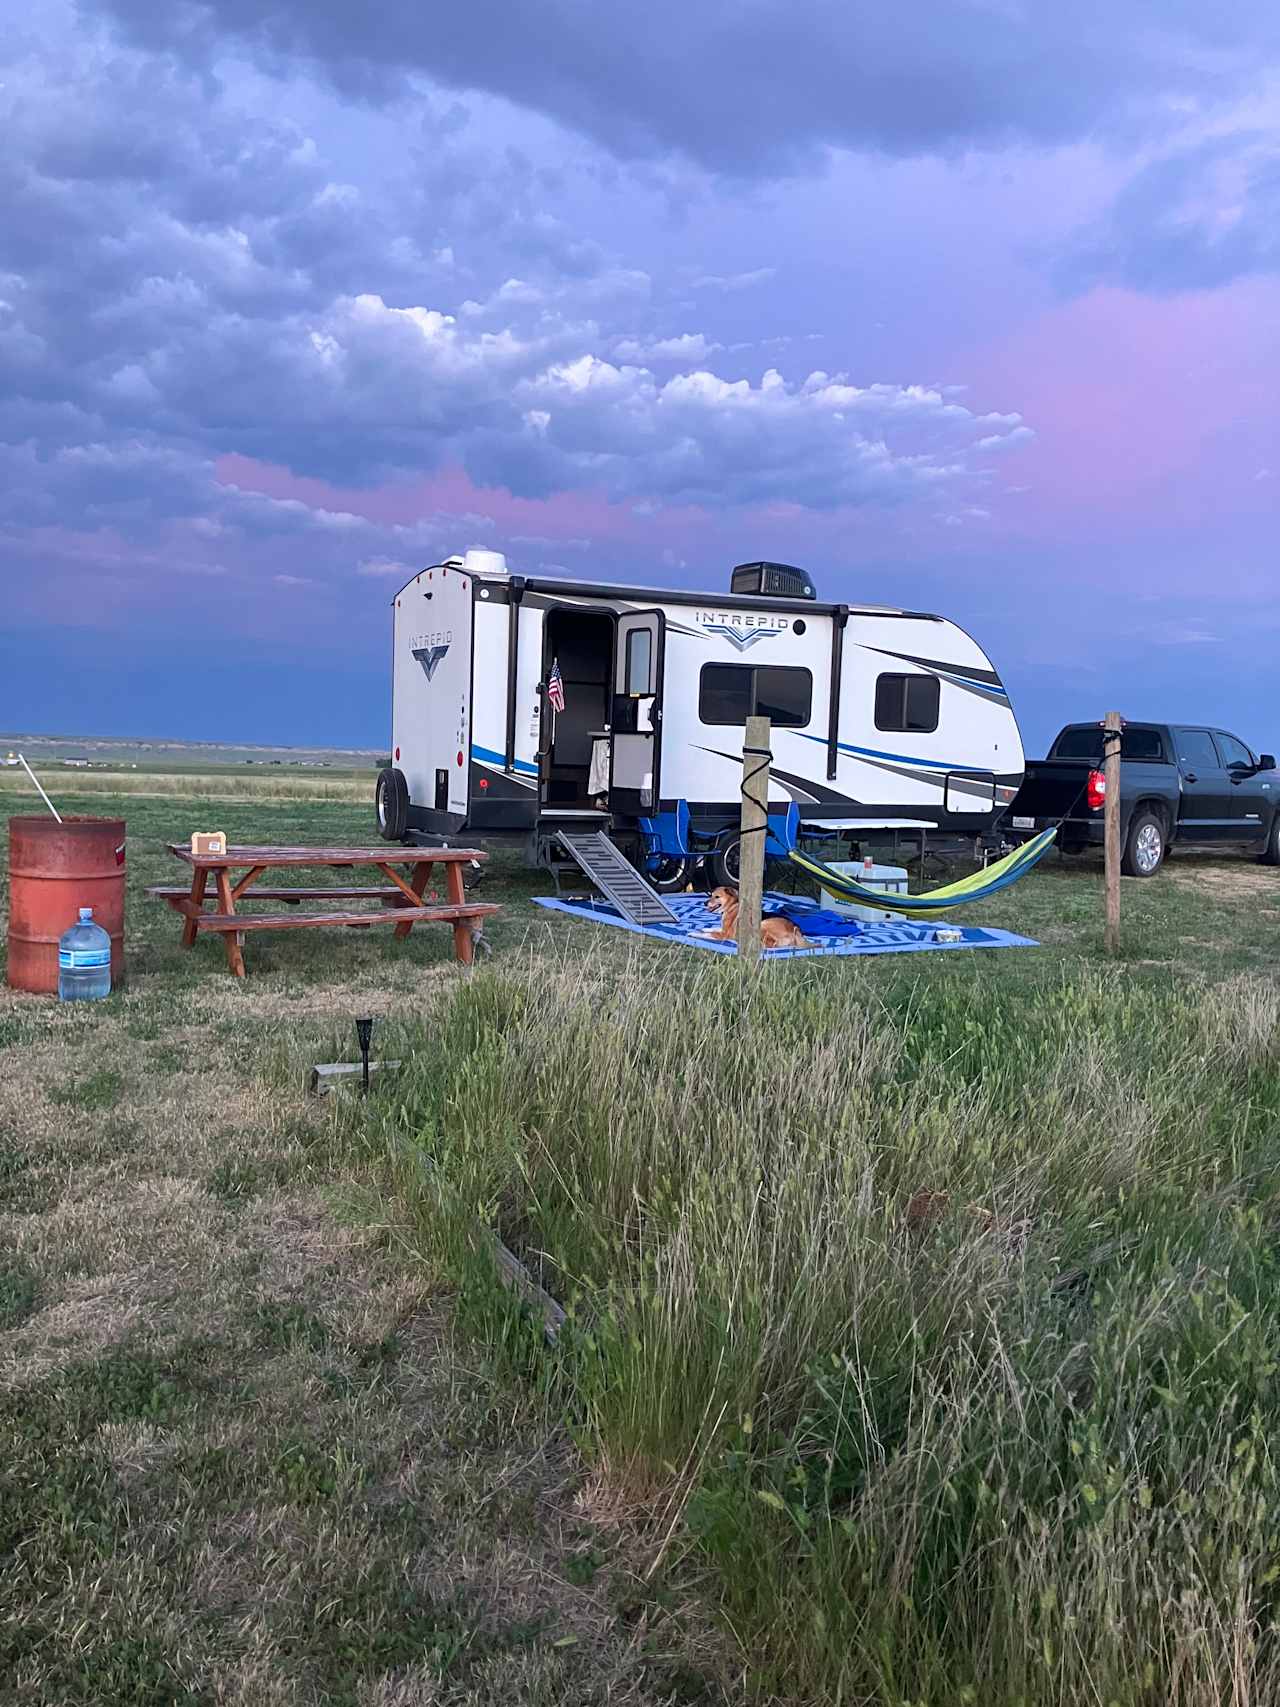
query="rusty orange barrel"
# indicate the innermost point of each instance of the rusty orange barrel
(54, 870)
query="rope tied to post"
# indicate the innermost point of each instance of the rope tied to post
(764, 755)
(753, 827)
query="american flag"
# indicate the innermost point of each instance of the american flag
(555, 687)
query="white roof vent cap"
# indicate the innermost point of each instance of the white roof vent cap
(477, 562)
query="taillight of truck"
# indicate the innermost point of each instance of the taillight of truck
(1095, 793)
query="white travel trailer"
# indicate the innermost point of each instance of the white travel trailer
(876, 713)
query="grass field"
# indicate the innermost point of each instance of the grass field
(351, 786)
(923, 1338)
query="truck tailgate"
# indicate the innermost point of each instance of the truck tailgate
(1051, 789)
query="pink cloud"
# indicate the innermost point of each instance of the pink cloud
(1149, 411)
(450, 492)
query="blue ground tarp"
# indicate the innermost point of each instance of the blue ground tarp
(694, 915)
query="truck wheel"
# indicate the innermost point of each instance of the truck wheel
(1271, 853)
(392, 803)
(1144, 850)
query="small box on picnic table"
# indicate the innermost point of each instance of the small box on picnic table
(208, 844)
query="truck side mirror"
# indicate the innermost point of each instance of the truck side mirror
(1267, 762)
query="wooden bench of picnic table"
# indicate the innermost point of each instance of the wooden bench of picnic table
(402, 898)
(354, 921)
(292, 897)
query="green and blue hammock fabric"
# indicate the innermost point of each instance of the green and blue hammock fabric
(978, 887)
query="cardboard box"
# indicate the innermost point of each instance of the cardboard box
(208, 844)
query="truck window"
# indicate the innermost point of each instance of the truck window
(907, 703)
(1086, 743)
(730, 693)
(1196, 748)
(1235, 755)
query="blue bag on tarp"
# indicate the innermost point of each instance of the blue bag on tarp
(818, 921)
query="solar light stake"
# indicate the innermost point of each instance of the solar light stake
(364, 1032)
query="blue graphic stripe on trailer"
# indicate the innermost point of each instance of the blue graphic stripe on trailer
(896, 758)
(487, 756)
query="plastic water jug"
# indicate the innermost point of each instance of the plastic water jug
(84, 961)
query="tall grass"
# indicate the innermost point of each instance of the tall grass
(944, 1318)
(229, 784)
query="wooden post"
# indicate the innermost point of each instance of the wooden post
(1111, 744)
(755, 818)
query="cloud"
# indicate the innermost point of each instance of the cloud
(734, 281)
(1194, 218)
(966, 514)
(384, 566)
(1006, 441)
(202, 319)
(700, 438)
(546, 542)
(765, 87)
(401, 388)
(1189, 633)
(683, 347)
(192, 281)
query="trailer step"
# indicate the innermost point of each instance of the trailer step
(616, 878)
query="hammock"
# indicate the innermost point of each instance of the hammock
(979, 887)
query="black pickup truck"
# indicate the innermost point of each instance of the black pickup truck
(1181, 783)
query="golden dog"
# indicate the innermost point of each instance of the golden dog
(774, 932)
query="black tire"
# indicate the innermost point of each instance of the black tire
(1145, 845)
(1271, 853)
(391, 802)
(668, 874)
(724, 866)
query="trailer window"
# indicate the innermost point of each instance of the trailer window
(730, 693)
(907, 703)
(784, 696)
(639, 673)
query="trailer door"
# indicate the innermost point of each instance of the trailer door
(637, 713)
(432, 712)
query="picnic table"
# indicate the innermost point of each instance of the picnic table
(400, 899)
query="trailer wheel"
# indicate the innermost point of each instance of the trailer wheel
(724, 866)
(668, 874)
(392, 803)
(1144, 850)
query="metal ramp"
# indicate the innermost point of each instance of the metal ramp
(616, 878)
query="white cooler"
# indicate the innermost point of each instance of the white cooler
(892, 879)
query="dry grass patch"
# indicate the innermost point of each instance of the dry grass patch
(241, 1458)
(1238, 881)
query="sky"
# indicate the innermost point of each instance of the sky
(968, 305)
